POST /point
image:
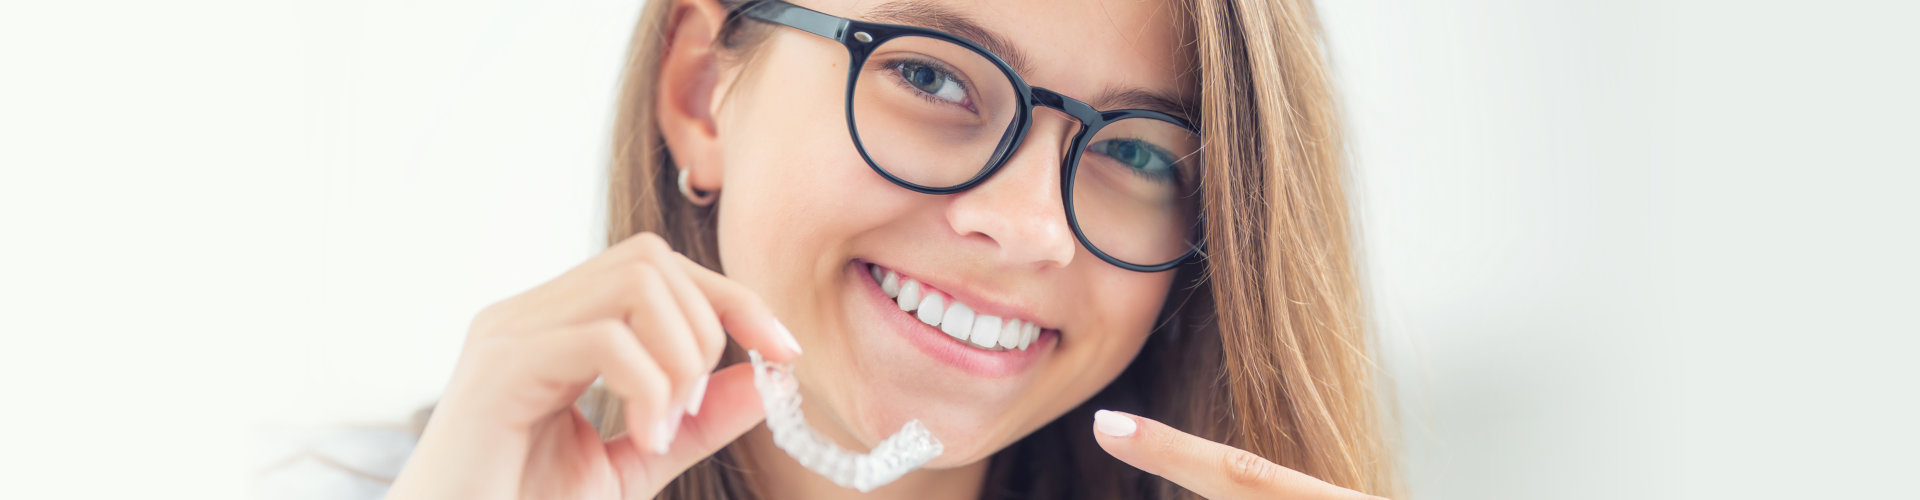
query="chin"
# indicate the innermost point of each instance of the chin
(967, 435)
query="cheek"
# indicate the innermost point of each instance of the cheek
(1126, 303)
(1119, 313)
(786, 147)
(794, 189)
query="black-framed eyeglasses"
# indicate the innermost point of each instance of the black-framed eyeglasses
(939, 114)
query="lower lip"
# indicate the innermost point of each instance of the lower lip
(938, 345)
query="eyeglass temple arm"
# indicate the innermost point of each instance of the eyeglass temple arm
(773, 11)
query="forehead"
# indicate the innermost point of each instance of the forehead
(1081, 48)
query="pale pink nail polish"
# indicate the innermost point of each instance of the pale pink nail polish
(786, 336)
(1114, 424)
(699, 394)
(663, 432)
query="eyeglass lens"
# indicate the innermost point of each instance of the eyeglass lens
(936, 114)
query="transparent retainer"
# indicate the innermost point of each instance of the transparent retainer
(897, 455)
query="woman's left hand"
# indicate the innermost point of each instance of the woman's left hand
(1210, 469)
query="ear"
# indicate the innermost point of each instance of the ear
(689, 90)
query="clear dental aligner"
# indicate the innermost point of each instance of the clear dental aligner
(897, 455)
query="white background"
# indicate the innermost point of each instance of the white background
(1617, 250)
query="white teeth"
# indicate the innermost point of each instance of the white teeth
(930, 310)
(955, 319)
(958, 321)
(890, 284)
(1011, 332)
(986, 331)
(909, 295)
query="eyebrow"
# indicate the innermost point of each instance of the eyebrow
(1177, 105)
(934, 16)
(931, 15)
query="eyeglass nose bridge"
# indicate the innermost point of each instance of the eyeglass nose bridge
(1089, 118)
(1072, 107)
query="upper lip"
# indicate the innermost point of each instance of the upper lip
(994, 303)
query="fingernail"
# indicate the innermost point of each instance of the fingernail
(694, 398)
(663, 432)
(787, 336)
(1114, 424)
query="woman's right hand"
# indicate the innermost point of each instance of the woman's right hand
(644, 318)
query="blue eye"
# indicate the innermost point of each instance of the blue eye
(932, 82)
(1141, 156)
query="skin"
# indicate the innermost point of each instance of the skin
(1007, 239)
(772, 141)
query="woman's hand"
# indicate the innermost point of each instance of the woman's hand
(649, 322)
(1210, 469)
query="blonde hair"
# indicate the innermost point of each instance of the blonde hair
(1267, 335)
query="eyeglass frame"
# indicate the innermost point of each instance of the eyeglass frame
(861, 38)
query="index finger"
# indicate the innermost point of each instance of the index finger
(742, 314)
(1210, 469)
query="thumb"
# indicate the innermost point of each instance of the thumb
(731, 408)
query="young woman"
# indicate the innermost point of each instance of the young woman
(1002, 218)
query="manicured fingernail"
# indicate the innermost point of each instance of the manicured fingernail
(663, 432)
(693, 398)
(1114, 424)
(787, 337)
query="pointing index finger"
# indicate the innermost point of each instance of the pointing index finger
(1210, 469)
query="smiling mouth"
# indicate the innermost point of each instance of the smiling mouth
(958, 320)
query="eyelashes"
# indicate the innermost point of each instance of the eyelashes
(931, 80)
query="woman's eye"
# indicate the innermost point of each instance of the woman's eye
(1136, 154)
(933, 82)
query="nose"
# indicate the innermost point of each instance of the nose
(1019, 209)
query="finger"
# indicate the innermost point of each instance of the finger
(663, 327)
(734, 407)
(708, 340)
(1212, 470)
(597, 288)
(628, 370)
(745, 317)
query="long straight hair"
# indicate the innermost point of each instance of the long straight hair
(1264, 346)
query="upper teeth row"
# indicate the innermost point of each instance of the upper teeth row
(985, 331)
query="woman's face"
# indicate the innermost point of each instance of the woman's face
(803, 218)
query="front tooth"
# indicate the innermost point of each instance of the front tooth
(909, 295)
(890, 284)
(1010, 333)
(986, 330)
(958, 321)
(930, 310)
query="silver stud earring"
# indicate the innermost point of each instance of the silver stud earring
(697, 198)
